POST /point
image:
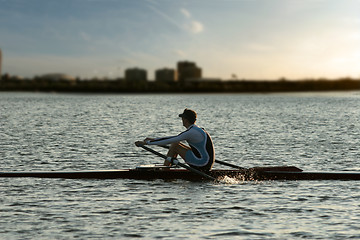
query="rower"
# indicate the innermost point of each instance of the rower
(199, 154)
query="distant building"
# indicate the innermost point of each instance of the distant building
(188, 70)
(57, 77)
(0, 63)
(165, 75)
(135, 74)
(206, 80)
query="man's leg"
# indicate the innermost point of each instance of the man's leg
(175, 150)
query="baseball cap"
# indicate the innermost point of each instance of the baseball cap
(189, 115)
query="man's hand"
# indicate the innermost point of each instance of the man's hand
(140, 143)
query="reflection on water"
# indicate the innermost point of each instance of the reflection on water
(74, 132)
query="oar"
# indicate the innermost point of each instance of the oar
(229, 165)
(217, 161)
(180, 164)
(276, 168)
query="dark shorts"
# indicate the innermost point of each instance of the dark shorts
(205, 168)
(192, 158)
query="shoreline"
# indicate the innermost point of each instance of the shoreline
(123, 86)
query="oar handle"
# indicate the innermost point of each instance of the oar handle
(154, 152)
(180, 164)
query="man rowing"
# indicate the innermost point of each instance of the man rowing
(199, 154)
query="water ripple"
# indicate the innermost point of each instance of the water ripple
(75, 132)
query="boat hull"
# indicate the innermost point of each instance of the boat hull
(274, 175)
(170, 174)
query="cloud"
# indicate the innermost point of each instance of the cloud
(352, 20)
(196, 27)
(191, 25)
(152, 2)
(165, 16)
(185, 12)
(84, 36)
(258, 47)
(82, 66)
(179, 53)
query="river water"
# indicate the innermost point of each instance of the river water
(313, 131)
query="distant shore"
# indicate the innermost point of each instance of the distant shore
(123, 86)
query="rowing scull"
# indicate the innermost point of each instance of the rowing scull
(152, 173)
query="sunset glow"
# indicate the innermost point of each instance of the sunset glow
(249, 39)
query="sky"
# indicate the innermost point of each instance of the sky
(242, 39)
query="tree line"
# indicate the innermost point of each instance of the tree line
(12, 83)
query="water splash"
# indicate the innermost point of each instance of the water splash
(230, 180)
